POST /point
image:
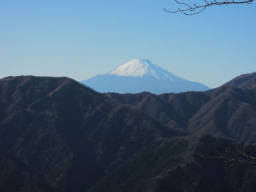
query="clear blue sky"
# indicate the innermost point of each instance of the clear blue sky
(82, 38)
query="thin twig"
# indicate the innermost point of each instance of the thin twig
(196, 8)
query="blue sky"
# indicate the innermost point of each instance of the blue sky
(82, 38)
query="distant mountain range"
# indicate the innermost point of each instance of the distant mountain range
(140, 75)
(57, 135)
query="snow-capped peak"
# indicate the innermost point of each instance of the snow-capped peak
(140, 75)
(142, 67)
(135, 67)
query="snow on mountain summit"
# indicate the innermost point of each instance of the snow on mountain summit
(139, 75)
(142, 67)
(135, 67)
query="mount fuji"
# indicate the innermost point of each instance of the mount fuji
(140, 75)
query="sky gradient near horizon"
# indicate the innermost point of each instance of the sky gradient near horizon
(82, 38)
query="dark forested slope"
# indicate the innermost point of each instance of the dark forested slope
(58, 135)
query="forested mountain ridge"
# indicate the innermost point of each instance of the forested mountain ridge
(58, 135)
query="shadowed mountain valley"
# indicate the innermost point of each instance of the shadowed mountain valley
(58, 135)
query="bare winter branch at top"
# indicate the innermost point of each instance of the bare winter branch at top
(196, 8)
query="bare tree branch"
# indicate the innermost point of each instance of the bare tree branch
(233, 155)
(192, 9)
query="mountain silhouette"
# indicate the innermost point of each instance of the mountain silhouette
(58, 135)
(140, 75)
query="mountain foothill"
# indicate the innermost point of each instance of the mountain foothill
(57, 135)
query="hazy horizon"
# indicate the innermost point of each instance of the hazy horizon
(81, 39)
